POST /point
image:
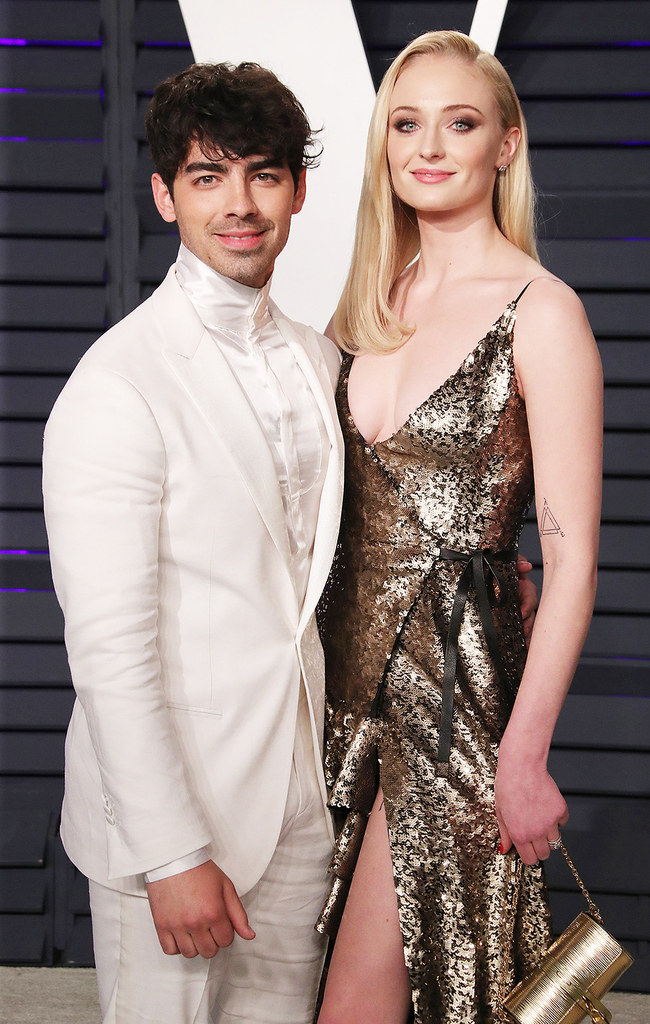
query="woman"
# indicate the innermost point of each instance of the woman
(445, 440)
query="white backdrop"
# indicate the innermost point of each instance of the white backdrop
(314, 47)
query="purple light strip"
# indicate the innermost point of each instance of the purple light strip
(23, 590)
(57, 92)
(49, 42)
(21, 551)
(24, 138)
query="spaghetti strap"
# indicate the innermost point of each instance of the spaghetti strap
(522, 292)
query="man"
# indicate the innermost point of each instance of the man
(192, 482)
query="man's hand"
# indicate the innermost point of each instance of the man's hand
(197, 911)
(527, 596)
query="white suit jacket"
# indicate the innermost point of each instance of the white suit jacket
(171, 561)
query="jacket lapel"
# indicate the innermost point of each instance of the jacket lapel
(206, 376)
(308, 354)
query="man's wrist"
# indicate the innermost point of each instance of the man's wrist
(175, 867)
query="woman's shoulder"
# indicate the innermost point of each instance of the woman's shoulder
(552, 310)
(547, 294)
(551, 324)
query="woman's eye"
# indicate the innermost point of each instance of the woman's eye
(405, 126)
(462, 125)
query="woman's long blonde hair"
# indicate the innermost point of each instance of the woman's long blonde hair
(387, 237)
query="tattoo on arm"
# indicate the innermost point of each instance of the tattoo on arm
(548, 524)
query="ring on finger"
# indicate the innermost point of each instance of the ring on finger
(555, 844)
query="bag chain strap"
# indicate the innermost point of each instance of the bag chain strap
(516, 868)
(593, 909)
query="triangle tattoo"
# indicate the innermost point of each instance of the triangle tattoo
(548, 523)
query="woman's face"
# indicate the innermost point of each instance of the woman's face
(445, 142)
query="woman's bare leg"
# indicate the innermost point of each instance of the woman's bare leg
(367, 981)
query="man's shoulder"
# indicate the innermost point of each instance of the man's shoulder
(130, 346)
(136, 328)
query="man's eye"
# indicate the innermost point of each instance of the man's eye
(266, 176)
(205, 179)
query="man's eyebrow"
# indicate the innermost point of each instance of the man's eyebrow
(204, 165)
(222, 168)
(269, 161)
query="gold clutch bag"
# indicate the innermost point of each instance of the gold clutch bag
(575, 972)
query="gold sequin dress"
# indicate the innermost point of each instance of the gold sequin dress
(420, 510)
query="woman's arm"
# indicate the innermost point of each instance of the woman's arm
(560, 377)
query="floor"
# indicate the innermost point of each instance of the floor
(50, 995)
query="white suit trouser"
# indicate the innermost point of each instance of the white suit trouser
(272, 979)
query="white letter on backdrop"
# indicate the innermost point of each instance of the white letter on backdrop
(486, 23)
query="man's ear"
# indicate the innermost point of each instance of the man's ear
(299, 195)
(162, 198)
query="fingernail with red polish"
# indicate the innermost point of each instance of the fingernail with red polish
(500, 847)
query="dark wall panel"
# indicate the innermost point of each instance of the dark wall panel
(33, 305)
(53, 304)
(391, 24)
(51, 20)
(74, 214)
(546, 72)
(44, 116)
(50, 351)
(599, 263)
(576, 167)
(46, 68)
(26, 163)
(22, 530)
(46, 259)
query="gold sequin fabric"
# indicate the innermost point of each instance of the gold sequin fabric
(457, 474)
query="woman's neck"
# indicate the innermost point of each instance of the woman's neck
(461, 245)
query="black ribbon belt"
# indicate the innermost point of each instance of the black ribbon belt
(480, 571)
(477, 563)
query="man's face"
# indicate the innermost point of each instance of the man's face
(233, 214)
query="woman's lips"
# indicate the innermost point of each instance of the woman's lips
(431, 177)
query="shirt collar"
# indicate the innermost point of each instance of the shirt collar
(219, 301)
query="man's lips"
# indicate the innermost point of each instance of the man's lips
(431, 177)
(241, 240)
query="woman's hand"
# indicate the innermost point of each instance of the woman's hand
(530, 810)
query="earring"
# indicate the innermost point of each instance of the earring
(503, 168)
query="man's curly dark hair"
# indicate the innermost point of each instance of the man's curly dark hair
(231, 112)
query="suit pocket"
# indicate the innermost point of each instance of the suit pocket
(189, 710)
